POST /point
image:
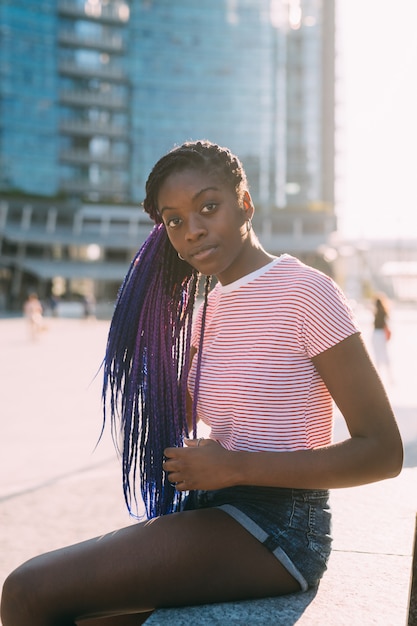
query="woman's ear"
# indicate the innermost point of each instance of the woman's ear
(248, 205)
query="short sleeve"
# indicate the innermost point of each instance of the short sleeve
(328, 317)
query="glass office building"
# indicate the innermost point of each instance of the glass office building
(93, 92)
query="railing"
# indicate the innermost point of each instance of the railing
(86, 157)
(109, 43)
(116, 13)
(100, 220)
(83, 185)
(90, 98)
(109, 72)
(298, 233)
(113, 229)
(77, 127)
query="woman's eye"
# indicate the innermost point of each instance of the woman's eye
(209, 208)
(173, 222)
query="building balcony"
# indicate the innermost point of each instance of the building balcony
(92, 129)
(107, 188)
(115, 14)
(112, 227)
(93, 99)
(305, 232)
(109, 72)
(110, 43)
(71, 269)
(84, 157)
(113, 239)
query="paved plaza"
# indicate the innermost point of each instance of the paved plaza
(57, 487)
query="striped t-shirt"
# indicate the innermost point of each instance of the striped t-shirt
(259, 389)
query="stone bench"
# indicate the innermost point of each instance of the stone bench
(368, 581)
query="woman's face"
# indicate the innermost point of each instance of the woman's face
(205, 223)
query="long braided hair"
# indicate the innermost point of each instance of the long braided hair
(147, 355)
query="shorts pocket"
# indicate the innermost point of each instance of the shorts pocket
(311, 516)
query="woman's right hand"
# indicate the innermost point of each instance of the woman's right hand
(201, 464)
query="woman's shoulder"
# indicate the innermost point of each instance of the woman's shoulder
(301, 274)
(309, 288)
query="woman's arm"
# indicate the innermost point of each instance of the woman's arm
(373, 451)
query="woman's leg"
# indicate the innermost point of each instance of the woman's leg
(194, 557)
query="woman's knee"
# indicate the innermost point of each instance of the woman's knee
(17, 595)
(25, 596)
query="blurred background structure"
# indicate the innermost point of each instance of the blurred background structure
(93, 92)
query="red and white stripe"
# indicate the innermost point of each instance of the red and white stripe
(259, 389)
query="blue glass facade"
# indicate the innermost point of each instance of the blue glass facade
(28, 88)
(204, 72)
(93, 92)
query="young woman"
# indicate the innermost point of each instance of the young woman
(243, 513)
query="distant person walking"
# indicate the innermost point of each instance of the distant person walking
(381, 336)
(89, 303)
(33, 312)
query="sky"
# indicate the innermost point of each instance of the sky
(376, 141)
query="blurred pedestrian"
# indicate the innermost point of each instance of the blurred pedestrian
(381, 336)
(89, 304)
(33, 312)
(52, 305)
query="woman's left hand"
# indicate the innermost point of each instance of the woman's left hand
(202, 464)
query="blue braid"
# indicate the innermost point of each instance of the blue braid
(145, 369)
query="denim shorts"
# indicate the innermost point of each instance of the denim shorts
(294, 524)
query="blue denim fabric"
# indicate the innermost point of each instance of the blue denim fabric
(294, 524)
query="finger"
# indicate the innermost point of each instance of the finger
(190, 443)
(194, 443)
(173, 478)
(181, 486)
(169, 452)
(170, 466)
(172, 453)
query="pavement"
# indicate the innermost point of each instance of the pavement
(58, 488)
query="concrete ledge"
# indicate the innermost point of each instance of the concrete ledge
(357, 589)
(369, 575)
(272, 611)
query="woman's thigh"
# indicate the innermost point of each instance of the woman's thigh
(192, 557)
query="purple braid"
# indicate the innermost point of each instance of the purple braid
(145, 367)
(148, 348)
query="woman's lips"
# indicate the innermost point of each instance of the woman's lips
(203, 253)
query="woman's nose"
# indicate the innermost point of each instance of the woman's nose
(196, 228)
